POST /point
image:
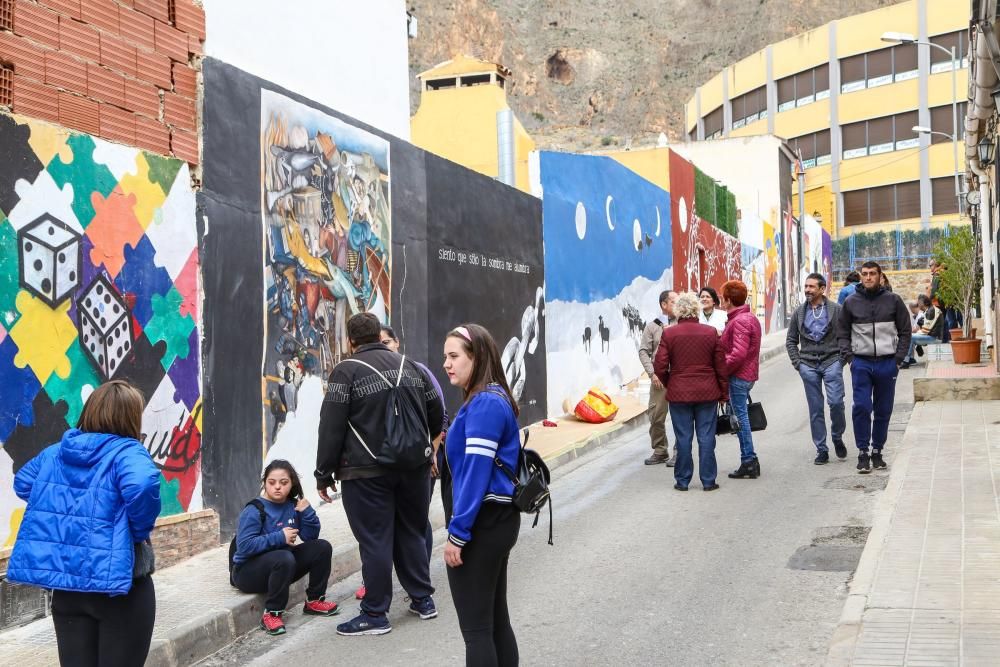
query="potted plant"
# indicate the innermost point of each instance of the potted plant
(961, 278)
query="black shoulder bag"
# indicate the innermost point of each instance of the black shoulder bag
(531, 482)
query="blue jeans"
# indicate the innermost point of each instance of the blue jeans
(813, 380)
(739, 394)
(919, 339)
(689, 420)
(874, 383)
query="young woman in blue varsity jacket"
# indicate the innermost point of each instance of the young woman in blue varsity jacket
(284, 547)
(485, 524)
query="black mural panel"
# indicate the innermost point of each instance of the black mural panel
(231, 245)
(435, 205)
(485, 265)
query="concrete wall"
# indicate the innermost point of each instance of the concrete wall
(352, 56)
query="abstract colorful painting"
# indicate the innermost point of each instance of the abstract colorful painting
(327, 223)
(99, 273)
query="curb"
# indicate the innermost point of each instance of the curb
(212, 631)
(845, 636)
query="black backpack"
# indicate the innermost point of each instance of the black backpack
(407, 443)
(232, 545)
(531, 482)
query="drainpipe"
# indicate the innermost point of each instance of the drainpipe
(985, 235)
(981, 109)
(505, 147)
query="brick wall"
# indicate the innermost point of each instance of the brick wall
(124, 70)
(179, 537)
(174, 538)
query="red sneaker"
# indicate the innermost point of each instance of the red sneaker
(360, 593)
(320, 607)
(272, 624)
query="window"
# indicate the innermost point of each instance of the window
(814, 148)
(878, 68)
(941, 121)
(747, 107)
(904, 136)
(441, 84)
(713, 124)
(852, 73)
(882, 204)
(855, 139)
(804, 88)
(940, 61)
(879, 135)
(943, 198)
(475, 80)
(904, 62)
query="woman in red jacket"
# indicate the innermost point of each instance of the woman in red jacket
(692, 367)
(741, 342)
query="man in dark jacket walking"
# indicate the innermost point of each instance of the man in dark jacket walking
(812, 346)
(386, 508)
(874, 336)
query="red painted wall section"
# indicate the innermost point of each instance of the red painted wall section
(124, 70)
(694, 238)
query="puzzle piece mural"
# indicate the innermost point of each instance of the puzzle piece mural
(98, 279)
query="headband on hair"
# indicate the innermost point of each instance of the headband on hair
(463, 332)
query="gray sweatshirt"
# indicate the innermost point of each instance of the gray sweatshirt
(802, 349)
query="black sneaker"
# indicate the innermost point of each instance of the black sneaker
(877, 461)
(840, 448)
(864, 463)
(822, 458)
(424, 608)
(365, 624)
(920, 350)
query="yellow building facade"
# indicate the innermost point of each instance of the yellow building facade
(463, 103)
(846, 96)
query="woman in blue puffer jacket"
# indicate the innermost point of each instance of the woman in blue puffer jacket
(92, 499)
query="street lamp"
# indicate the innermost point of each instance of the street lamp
(908, 38)
(986, 149)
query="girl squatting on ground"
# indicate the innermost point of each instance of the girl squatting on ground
(485, 524)
(278, 543)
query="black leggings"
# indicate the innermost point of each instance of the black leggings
(94, 629)
(272, 572)
(479, 588)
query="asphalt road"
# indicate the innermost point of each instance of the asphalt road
(752, 574)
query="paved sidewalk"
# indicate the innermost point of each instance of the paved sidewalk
(927, 589)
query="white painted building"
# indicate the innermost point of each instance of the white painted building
(350, 56)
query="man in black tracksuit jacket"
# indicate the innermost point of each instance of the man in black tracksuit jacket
(387, 509)
(874, 336)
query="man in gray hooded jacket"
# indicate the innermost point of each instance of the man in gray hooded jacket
(813, 349)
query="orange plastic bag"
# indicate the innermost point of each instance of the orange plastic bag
(596, 407)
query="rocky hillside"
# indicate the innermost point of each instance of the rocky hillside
(598, 73)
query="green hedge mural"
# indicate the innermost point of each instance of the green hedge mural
(714, 204)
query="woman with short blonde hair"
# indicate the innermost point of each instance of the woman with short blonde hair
(692, 366)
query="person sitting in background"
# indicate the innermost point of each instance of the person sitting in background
(885, 283)
(930, 329)
(710, 313)
(850, 286)
(278, 543)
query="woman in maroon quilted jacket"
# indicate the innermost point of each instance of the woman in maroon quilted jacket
(741, 341)
(691, 365)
